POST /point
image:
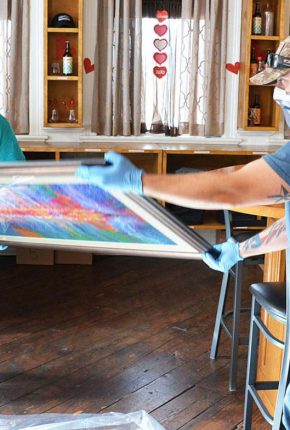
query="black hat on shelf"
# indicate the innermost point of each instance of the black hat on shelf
(62, 20)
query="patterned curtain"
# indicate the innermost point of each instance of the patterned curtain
(204, 72)
(117, 79)
(5, 40)
(14, 63)
(129, 97)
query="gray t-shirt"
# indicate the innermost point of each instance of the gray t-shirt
(280, 163)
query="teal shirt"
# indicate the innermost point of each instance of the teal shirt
(9, 147)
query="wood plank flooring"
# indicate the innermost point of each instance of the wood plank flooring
(121, 335)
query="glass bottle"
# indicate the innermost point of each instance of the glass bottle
(268, 21)
(256, 112)
(72, 116)
(260, 64)
(54, 115)
(253, 64)
(266, 59)
(257, 20)
(67, 60)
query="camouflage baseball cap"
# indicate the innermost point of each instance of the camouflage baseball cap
(270, 74)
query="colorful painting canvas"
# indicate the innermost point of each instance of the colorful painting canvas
(42, 209)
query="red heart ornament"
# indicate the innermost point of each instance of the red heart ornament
(159, 72)
(160, 29)
(160, 58)
(234, 68)
(89, 67)
(160, 44)
(161, 15)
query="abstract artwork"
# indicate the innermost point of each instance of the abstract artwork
(58, 210)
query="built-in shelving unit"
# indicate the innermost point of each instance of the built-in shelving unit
(269, 110)
(63, 93)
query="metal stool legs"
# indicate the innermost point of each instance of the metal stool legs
(221, 323)
(219, 315)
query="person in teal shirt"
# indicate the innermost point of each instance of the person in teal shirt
(9, 147)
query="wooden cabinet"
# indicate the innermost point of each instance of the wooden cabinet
(62, 94)
(260, 43)
(159, 159)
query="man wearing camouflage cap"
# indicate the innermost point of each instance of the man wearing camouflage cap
(263, 181)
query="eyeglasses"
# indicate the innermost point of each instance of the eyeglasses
(276, 61)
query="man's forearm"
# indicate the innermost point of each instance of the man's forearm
(210, 190)
(253, 184)
(273, 238)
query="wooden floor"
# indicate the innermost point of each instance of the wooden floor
(121, 335)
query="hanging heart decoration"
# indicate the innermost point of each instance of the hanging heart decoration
(234, 68)
(88, 66)
(160, 44)
(161, 15)
(160, 29)
(160, 58)
(159, 72)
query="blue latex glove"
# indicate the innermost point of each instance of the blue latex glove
(229, 256)
(3, 247)
(120, 175)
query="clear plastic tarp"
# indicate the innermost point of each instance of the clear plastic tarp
(139, 420)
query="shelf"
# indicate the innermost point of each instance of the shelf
(261, 128)
(211, 223)
(62, 78)
(274, 38)
(256, 85)
(62, 30)
(63, 124)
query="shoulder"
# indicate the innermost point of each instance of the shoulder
(279, 161)
(5, 126)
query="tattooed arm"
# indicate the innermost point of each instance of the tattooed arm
(273, 238)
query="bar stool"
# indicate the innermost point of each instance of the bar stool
(274, 297)
(235, 275)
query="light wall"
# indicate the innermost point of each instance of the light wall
(38, 133)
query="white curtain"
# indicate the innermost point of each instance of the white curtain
(189, 99)
(14, 63)
(160, 97)
(5, 41)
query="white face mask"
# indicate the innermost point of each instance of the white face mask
(283, 100)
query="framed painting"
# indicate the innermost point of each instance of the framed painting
(43, 204)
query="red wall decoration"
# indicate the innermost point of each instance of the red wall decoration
(160, 44)
(89, 67)
(234, 68)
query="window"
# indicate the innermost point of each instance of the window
(166, 99)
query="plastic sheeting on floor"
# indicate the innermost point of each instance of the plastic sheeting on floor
(111, 421)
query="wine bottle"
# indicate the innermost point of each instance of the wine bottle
(256, 112)
(253, 64)
(257, 20)
(67, 60)
(268, 21)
